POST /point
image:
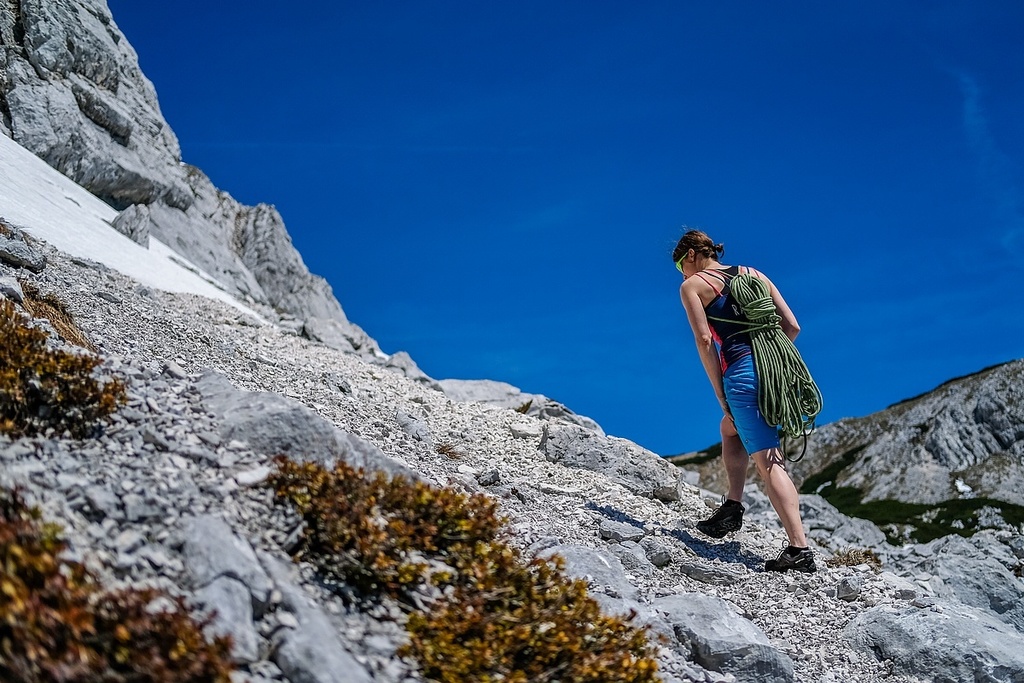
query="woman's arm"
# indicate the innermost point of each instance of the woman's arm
(790, 327)
(705, 342)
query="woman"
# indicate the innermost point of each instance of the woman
(725, 350)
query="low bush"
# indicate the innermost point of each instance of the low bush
(374, 532)
(522, 622)
(502, 617)
(56, 624)
(43, 388)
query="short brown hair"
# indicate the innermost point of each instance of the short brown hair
(699, 241)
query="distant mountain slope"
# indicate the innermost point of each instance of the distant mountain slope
(954, 454)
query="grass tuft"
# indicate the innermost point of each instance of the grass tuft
(50, 307)
(852, 557)
(449, 450)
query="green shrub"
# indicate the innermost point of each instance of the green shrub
(374, 532)
(42, 388)
(57, 625)
(522, 622)
(502, 617)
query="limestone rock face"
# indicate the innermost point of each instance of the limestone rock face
(504, 395)
(956, 643)
(965, 438)
(72, 92)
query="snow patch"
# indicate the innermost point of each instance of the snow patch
(53, 208)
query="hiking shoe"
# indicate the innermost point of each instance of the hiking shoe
(797, 559)
(727, 518)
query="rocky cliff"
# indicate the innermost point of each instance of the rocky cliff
(71, 91)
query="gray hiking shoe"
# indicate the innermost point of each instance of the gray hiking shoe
(792, 558)
(726, 519)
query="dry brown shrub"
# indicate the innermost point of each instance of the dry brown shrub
(56, 624)
(852, 557)
(43, 388)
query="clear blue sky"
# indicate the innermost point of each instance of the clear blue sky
(495, 187)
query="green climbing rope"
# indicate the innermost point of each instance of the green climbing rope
(788, 396)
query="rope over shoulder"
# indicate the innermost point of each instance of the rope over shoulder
(787, 396)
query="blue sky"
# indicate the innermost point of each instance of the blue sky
(496, 187)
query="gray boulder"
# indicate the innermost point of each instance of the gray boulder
(311, 652)
(719, 639)
(11, 289)
(601, 569)
(402, 363)
(276, 425)
(231, 604)
(620, 531)
(133, 223)
(504, 395)
(17, 253)
(212, 551)
(657, 551)
(632, 557)
(978, 572)
(609, 584)
(413, 426)
(339, 335)
(951, 644)
(635, 468)
(716, 573)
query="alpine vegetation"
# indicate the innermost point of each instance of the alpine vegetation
(58, 624)
(490, 612)
(43, 388)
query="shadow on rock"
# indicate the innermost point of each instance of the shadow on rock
(728, 551)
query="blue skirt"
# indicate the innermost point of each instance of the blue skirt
(740, 384)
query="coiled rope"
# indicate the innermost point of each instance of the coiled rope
(787, 396)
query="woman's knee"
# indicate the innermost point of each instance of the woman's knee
(768, 459)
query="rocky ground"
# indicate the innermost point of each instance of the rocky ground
(170, 493)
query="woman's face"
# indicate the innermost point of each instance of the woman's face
(685, 265)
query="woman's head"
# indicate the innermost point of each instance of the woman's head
(701, 244)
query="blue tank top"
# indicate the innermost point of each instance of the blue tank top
(732, 338)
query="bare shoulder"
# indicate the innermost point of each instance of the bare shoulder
(694, 285)
(756, 273)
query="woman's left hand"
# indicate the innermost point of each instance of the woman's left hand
(728, 427)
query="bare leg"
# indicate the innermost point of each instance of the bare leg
(781, 492)
(735, 459)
